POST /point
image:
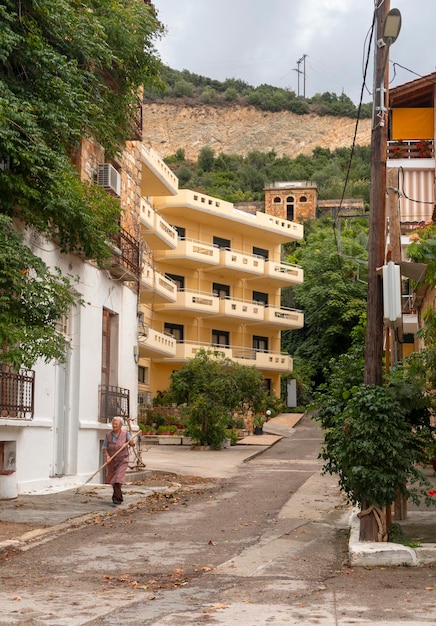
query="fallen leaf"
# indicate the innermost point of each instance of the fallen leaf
(16, 597)
(206, 569)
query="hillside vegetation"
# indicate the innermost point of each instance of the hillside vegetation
(195, 89)
(236, 178)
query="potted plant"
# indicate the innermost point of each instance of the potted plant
(424, 148)
(258, 421)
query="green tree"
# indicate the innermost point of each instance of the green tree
(68, 70)
(32, 299)
(376, 436)
(213, 387)
(206, 159)
(333, 294)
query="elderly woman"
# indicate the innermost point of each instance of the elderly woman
(116, 468)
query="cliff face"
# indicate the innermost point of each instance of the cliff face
(239, 130)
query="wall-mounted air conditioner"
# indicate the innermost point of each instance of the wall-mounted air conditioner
(109, 178)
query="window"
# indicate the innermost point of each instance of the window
(177, 330)
(143, 375)
(222, 243)
(267, 383)
(303, 199)
(277, 200)
(260, 252)
(221, 338)
(222, 291)
(179, 280)
(260, 344)
(181, 232)
(109, 348)
(259, 296)
(290, 208)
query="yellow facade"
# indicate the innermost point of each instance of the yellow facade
(212, 276)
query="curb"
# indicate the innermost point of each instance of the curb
(375, 554)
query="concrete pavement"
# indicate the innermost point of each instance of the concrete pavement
(51, 513)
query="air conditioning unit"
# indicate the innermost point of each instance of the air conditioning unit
(109, 178)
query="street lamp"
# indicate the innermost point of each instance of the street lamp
(388, 24)
(392, 27)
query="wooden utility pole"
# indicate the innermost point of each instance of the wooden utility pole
(377, 230)
(377, 206)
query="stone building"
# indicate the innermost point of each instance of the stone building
(294, 200)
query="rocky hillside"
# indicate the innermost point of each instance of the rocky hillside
(239, 130)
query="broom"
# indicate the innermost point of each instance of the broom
(107, 462)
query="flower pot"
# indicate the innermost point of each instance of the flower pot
(258, 430)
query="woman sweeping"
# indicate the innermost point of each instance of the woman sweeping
(116, 468)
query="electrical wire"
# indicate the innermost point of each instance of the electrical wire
(353, 146)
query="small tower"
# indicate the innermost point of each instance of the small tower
(294, 201)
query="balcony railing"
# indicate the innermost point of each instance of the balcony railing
(262, 359)
(411, 149)
(17, 390)
(288, 318)
(241, 309)
(191, 253)
(241, 262)
(152, 342)
(114, 402)
(193, 302)
(124, 263)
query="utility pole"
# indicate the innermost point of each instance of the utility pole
(303, 71)
(377, 205)
(387, 27)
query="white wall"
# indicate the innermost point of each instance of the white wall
(65, 434)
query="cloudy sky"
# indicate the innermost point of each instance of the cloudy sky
(261, 41)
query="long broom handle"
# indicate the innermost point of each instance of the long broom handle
(112, 457)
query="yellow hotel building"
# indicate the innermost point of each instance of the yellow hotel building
(212, 276)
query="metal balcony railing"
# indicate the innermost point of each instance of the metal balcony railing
(114, 402)
(125, 261)
(17, 392)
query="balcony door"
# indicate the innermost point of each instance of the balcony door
(221, 338)
(222, 291)
(260, 344)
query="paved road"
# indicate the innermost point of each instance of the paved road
(266, 546)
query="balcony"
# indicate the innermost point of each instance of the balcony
(411, 149)
(263, 360)
(156, 287)
(191, 253)
(114, 402)
(241, 310)
(17, 392)
(284, 317)
(155, 230)
(155, 343)
(212, 211)
(272, 361)
(282, 274)
(193, 303)
(236, 264)
(124, 263)
(157, 178)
